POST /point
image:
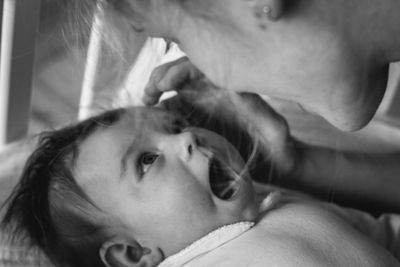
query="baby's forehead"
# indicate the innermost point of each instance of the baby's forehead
(147, 118)
(112, 140)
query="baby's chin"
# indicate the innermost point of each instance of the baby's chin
(250, 209)
(242, 206)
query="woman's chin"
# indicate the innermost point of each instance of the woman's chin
(351, 117)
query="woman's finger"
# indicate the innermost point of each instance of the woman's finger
(151, 91)
(174, 78)
(167, 77)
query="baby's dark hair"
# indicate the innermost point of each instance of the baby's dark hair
(49, 208)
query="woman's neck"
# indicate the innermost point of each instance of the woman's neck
(372, 25)
(386, 20)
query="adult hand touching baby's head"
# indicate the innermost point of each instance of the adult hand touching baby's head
(270, 129)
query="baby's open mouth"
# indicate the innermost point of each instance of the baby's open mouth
(224, 182)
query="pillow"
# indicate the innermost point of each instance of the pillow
(20, 254)
(15, 254)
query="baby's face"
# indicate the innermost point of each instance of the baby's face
(166, 185)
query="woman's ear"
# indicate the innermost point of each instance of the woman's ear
(271, 9)
(115, 253)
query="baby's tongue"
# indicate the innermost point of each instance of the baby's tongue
(223, 181)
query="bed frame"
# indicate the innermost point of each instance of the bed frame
(19, 25)
(19, 32)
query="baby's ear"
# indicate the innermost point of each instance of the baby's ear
(116, 253)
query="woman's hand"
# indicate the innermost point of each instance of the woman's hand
(271, 129)
(172, 76)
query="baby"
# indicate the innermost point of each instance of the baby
(142, 187)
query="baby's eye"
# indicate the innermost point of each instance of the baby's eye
(146, 160)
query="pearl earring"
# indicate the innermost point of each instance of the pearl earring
(267, 9)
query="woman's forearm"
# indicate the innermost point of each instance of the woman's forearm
(353, 178)
(364, 180)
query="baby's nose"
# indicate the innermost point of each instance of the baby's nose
(186, 143)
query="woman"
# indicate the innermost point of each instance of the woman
(330, 56)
